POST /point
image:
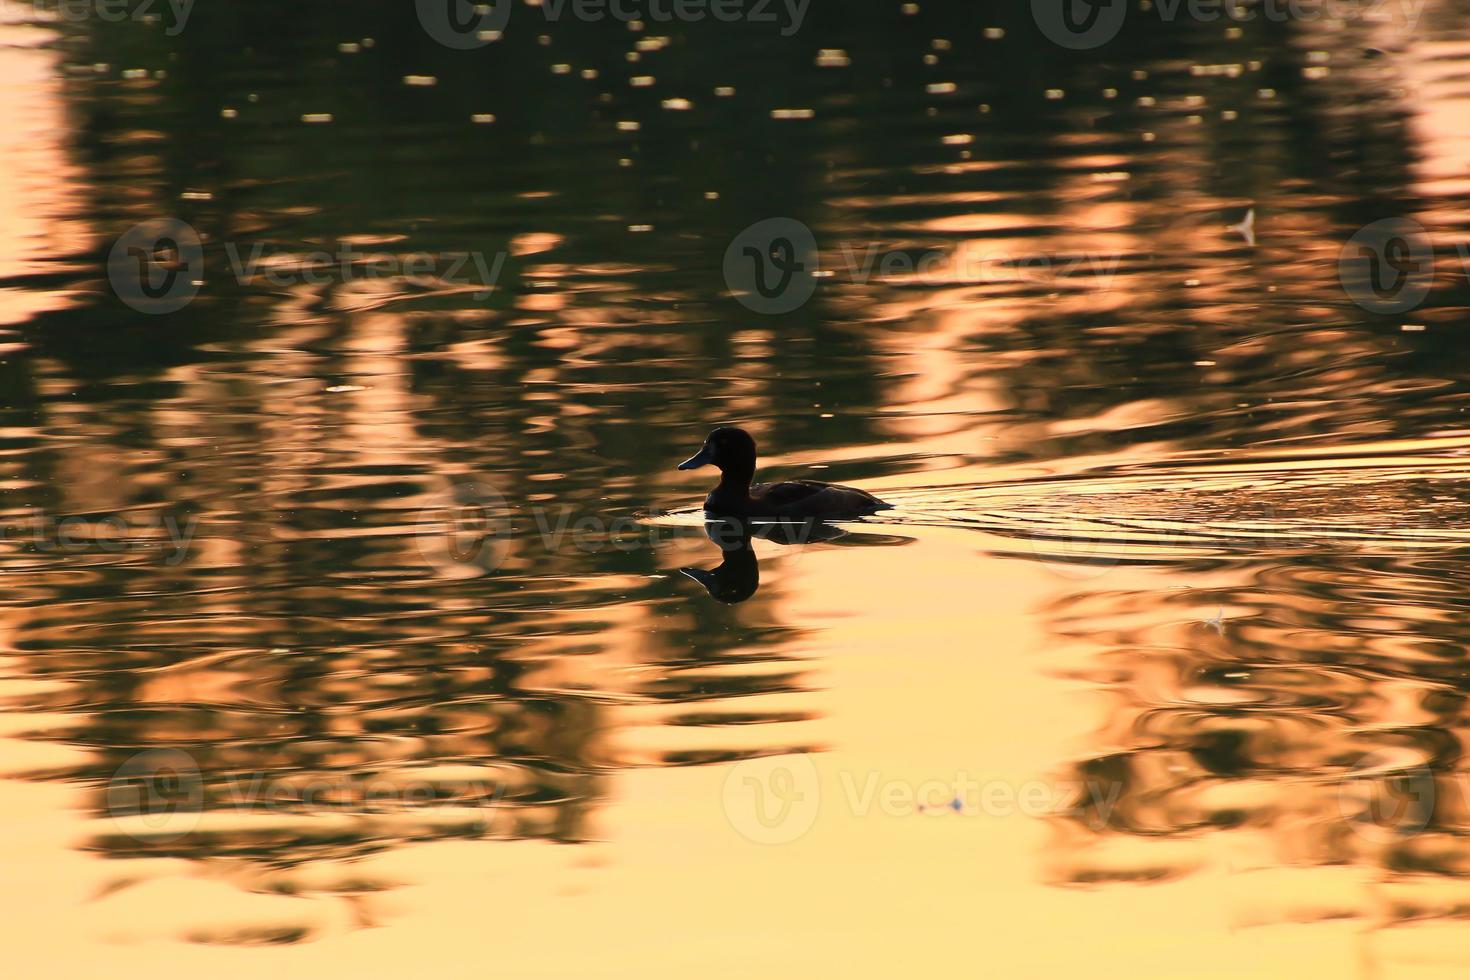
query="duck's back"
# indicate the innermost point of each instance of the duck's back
(804, 499)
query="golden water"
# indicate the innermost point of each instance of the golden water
(343, 624)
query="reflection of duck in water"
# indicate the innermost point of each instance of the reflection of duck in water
(737, 577)
(733, 451)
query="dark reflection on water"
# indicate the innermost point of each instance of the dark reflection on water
(737, 577)
(263, 568)
(1321, 710)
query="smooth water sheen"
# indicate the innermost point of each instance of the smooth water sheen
(343, 623)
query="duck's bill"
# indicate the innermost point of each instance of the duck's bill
(697, 460)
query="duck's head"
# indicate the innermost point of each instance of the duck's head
(729, 448)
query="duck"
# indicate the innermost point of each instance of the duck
(732, 450)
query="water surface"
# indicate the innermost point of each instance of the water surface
(344, 626)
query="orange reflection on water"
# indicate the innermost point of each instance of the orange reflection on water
(1155, 668)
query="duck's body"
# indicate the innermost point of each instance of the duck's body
(733, 451)
(799, 500)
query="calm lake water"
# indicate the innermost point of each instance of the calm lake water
(345, 626)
